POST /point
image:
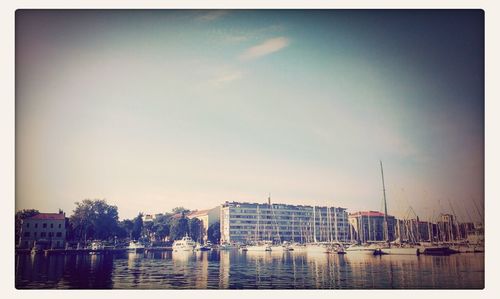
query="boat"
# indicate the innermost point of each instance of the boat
(298, 247)
(243, 248)
(285, 246)
(184, 244)
(438, 250)
(200, 247)
(317, 248)
(261, 246)
(395, 250)
(360, 249)
(135, 246)
(37, 248)
(225, 246)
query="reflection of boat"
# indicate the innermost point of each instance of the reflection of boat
(135, 246)
(185, 244)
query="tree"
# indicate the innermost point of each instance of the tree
(137, 229)
(178, 228)
(195, 227)
(94, 219)
(20, 215)
(213, 232)
(161, 226)
(180, 210)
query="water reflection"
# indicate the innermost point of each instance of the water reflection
(236, 270)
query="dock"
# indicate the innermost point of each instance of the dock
(62, 251)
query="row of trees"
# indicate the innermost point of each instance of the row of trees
(96, 219)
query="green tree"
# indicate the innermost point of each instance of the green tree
(94, 219)
(20, 215)
(195, 227)
(127, 226)
(161, 226)
(178, 228)
(178, 210)
(138, 225)
(213, 232)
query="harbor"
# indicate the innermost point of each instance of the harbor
(235, 269)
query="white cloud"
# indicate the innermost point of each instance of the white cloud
(212, 15)
(226, 77)
(267, 47)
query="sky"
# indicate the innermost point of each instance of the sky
(154, 109)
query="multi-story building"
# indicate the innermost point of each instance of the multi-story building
(207, 218)
(45, 228)
(243, 222)
(368, 226)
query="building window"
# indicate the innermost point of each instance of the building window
(52, 225)
(27, 234)
(34, 234)
(45, 225)
(59, 225)
(36, 225)
(43, 234)
(28, 224)
(51, 234)
(58, 234)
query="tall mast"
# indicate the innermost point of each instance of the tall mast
(314, 224)
(386, 224)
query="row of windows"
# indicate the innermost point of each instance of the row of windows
(43, 234)
(44, 225)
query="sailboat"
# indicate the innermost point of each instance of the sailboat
(388, 249)
(258, 245)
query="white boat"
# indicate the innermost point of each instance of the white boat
(259, 247)
(317, 248)
(200, 247)
(185, 244)
(297, 247)
(225, 246)
(361, 249)
(401, 250)
(135, 246)
(96, 245)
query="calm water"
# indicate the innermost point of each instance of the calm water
(250, 270)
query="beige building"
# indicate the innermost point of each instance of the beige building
(45, 228)
(207, 217)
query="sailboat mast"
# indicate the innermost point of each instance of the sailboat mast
(386, 225)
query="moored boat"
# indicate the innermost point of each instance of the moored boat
(135, 246)
(184, 244)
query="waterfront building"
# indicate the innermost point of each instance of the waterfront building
(207, 218)
(148, 218)
(48, 229)
(368, 226)
(243, 222)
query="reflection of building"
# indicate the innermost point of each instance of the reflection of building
(369, 226)
(44, 228)
(207, 217)
(244, 222)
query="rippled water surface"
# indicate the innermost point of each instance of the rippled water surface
(250, 270)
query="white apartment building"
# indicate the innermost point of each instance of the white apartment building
(243, 222)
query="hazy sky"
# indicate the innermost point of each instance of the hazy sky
(156, 109)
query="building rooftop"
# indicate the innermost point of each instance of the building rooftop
(198, 213)
(368, 213)
(48, 216)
